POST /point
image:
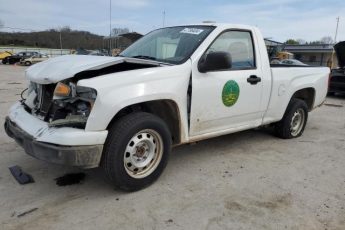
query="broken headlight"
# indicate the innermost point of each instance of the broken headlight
(72, 105)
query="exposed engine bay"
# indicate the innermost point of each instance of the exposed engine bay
(69, 109)
(66, 104)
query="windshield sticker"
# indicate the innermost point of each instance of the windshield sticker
(230, 94)
(191, 31)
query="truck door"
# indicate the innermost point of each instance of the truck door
(228, 99)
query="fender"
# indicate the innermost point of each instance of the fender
(119, 90)
(285, 86)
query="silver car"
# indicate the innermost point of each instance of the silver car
(292, 62)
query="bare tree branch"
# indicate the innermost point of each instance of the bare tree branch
(327, 40)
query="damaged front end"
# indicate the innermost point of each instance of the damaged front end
(60, 104)
(51, 119)
(53, 94)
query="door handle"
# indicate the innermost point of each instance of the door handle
(253, 79)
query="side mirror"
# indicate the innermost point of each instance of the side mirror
(215, 61)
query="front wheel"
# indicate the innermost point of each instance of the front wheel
(136, 151)
(294, 120)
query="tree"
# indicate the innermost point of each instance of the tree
(119, 31)
(326, 40)
(51, 39)
(301, 41)
(292, 42)
(65, 29)
(315, 43)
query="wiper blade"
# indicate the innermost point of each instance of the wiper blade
(144, 57)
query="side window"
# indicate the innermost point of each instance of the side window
(240, 46)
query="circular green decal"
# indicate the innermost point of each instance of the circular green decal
(230, 94)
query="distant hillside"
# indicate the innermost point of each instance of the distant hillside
(71, 39)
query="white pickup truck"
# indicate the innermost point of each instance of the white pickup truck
(175, 85)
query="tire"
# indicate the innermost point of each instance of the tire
(4, 61)
(136, 151)
(294, 120)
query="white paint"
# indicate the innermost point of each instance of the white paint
(282, 90)
(57, 69)
(258, 104)
(118, 90)
(209, 115)
(40, 130)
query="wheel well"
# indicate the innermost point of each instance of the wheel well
(307, 95)
(167, 110)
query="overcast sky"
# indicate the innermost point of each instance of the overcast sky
(278, 19)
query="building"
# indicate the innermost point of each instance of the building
(316, 54)
(273, 47)
(121, 41)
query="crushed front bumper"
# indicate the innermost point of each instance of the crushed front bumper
(67, 145)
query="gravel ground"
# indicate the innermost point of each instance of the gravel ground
(247, 180)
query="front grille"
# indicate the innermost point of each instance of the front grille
(44, 100)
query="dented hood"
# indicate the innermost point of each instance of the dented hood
(340, 51)
(57, 69)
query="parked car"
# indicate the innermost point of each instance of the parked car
(17, 57)
(176, 85)
(97, 53)
(5, 54)
(292, 62)
(337, 77)
(34, 59)
(275, 61)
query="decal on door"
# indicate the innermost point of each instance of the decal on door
(230, 94)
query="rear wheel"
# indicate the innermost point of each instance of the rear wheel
(136, 151)
(294, 121)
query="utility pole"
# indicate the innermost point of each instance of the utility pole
(336, 30)
(164, 18)
(60, 43)
(110, 27)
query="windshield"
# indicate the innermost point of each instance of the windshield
(172, 45)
